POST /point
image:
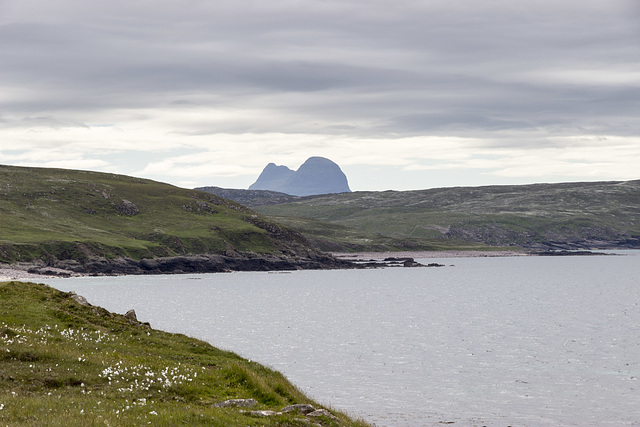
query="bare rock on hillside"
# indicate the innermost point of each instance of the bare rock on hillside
(301, 408)
(322, 413)
(126, 207)
(79, 299)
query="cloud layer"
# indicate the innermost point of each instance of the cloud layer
(207, 93)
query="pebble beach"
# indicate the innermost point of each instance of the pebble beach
(8, 274)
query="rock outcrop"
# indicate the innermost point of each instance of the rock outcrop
(303, 409)
(204, 263)
(209, 263)
(317, 175)
(126, 207)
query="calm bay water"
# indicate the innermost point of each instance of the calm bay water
(486, 341)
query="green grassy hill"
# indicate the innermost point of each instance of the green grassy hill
(51, 215)
(541, 216)
(67, 364)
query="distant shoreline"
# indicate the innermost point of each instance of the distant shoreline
(425, 254)
(344, 259)
(9, 273)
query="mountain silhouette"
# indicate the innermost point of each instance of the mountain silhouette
(318, 175)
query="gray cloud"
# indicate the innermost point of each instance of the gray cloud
(462, 68)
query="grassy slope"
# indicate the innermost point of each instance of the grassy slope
(338, 237)
(64, 364)
(75, 214)
(525, 215)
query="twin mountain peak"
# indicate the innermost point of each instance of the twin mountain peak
(317, 175)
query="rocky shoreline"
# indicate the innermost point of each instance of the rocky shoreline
(237, 262)
(172, 265)
(195, 264)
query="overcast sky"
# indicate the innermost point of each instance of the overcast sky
(401, 94)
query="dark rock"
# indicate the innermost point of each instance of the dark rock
(69, 265)
(317, 175)
(131, 315)
(126, 207)
(396, 259)
(404, 261)
(205, 263)
(411, 263)
(50, 271)
(149, 264)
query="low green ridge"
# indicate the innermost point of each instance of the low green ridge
(67, 364)
(539, 216)
(53, 214)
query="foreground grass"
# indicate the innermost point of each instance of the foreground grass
(62, 363)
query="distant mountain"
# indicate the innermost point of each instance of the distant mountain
(273, 178)
(317, 175)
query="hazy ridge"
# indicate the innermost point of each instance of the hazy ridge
(582, 215)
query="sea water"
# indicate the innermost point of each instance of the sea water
(523, 341)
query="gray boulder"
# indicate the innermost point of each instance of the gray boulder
(126, 207)
(322, 413)
(79, 299)
(301, 408)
